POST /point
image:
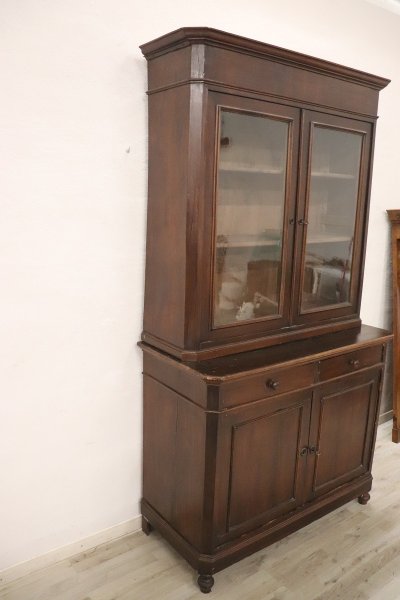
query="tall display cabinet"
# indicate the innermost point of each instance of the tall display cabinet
(261, 386)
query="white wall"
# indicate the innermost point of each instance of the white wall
(72, 231)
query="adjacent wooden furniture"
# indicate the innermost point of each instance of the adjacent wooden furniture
(261, 387)
(394, 216)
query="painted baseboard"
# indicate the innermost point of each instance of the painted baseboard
(55, 556)
(386, 416)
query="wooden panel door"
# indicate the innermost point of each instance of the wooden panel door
(262, 456)
(342, 431)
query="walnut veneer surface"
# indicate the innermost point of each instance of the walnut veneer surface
(261, 386)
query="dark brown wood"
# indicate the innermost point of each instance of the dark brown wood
(146, 526)
(252, 428)
(205, 583)
(180, 41)
(246, 475)
(394, 216)
(193, 72)
(350, 362)
(344, 410)
(261, 466)
(364, 498)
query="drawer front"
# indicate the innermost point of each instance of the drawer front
(266, 384)
(350, 362)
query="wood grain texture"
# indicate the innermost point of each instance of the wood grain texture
(250, 470)
(354, 552)
(394, 217)
(194, 74)
(255, 443)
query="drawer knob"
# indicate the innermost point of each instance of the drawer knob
(273, 384)
(353, 362)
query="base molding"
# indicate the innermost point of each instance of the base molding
(231, 552)
(89, 543)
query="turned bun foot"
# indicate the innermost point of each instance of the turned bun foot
(205, 583)
(146, 526)
(363, 499)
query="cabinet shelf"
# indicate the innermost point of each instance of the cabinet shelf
(324, 238)
(232, 243)
(331, 175)
(248, 169)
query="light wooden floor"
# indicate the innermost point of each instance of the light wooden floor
(351, 554)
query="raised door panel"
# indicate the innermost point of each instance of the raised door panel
(331, 221)
(248, 208)
(342, 431)
(260, 466)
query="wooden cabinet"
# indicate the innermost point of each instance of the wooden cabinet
(279, 454)
(262, 462)
(260, 162)
(261, 388)
(243, 449)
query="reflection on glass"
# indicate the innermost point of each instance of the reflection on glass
(249, 217)
(332, 204)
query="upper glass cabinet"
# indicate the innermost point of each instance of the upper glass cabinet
(260, 163)
(333, 191)
(252, 159)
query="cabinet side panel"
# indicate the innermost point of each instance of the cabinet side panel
(190, 465)
(174, 375)
(159, 445)
(166, 218)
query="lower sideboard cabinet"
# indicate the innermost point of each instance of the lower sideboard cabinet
(240, 451)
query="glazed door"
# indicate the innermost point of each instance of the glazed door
(342, 431)
(250, 223)
(261, 462)
(331, 217)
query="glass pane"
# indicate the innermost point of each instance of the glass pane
(334, 182)
(249, 217)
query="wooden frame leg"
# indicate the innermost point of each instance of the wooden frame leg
(395, 435)
(363, 499)
(205, 583)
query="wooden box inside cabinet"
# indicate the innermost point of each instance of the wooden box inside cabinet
(260, 162)
(261, 386)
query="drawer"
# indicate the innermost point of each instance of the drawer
(350, 362)
(266, 384)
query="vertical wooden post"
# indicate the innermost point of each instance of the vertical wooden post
(394, 216)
